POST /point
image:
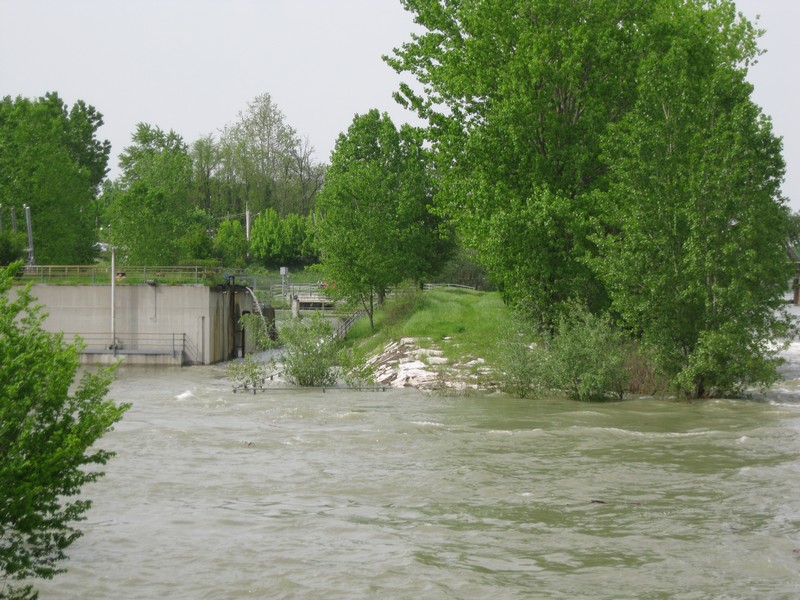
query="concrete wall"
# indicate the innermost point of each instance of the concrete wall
(181, 324)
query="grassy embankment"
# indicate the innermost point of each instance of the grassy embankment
(463, 324)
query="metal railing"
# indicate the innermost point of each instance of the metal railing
(279, 294)
(133, 343)
(101, 274)
(438, 286)
(342, 330)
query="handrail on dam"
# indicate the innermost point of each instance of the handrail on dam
(135, 343)
(102, 275)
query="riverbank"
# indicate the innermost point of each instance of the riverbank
(455, 341)
(443, 340)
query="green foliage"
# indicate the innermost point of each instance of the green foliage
(51, 160)
(696, 260)
(281, 241)
(518, 95)
(374, 226)
(12, 247)
(310, 352)
(610, 152)
(249, 373)
(586, 357)
(355, 368)
(463, 268)
(258, 162)
(48, 437)
(230, 244)
(262, 332)
(148, 208)
(196, 243)
(520, 361)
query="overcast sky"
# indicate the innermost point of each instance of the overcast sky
(193, 65)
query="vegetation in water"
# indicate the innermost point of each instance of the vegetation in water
(309, 352)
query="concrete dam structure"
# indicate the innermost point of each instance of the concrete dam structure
(151, 324)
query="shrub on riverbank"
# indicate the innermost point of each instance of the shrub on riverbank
(587, 357)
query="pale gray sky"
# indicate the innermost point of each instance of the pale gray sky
(192, 65)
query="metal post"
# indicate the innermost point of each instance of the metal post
(113, 319)
(31, 260)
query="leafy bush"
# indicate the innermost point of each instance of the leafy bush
(355, 369)
(12, 246)
(50, 425)
(263, 331)
(586, 357)
(249, 373)
(520, 361)
(310, 351)
(727, 361)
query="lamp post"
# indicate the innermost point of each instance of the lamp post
(113, 345)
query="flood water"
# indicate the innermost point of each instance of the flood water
(402, 494)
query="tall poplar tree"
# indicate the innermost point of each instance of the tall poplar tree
(697, 263)
(518, 94)
(608, 151)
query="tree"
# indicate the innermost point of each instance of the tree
(281, 241)
(374, 226)
(266, 238)
(609, 151)
(47, 439)
(518, 94)
(205, 162)
(51, 160)
(196, 242)
(230, 244)
(148, 208)
(696, 263)
(259, 162)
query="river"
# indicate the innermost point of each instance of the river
(402, 494)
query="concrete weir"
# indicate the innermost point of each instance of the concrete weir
(150, 324)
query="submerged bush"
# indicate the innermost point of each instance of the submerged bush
(249, 373)
(586, 357)
(356, 371)
(310, 350)
(520, 361)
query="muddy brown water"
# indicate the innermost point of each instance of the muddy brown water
(403, 494)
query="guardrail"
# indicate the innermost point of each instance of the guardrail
(134, 343)
(101, 274)
(438, 286)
